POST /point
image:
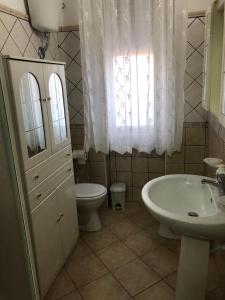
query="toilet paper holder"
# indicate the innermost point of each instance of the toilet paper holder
(81, 156)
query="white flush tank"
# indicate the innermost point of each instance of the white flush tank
(44, 14)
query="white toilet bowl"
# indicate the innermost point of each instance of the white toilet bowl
(89, 198)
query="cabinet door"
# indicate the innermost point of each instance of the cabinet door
(47, 242)
(55, 86)
(31, 111)
(68, 212)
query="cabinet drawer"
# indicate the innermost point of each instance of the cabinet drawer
(39, 173)
(37, 195)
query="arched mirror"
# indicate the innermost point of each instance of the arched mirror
(57, 109)
(32, 114)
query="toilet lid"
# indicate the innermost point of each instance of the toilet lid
(89, 190)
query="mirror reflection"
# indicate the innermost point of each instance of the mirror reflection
(57, 108)
(32, 114)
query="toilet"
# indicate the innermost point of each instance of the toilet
(89, 198)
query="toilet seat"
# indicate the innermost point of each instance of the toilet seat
(88, 191)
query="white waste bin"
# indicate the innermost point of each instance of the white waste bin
(118, 191)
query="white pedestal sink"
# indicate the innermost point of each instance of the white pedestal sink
(193, 210)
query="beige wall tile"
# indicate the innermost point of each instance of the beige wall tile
(124, 177)
(154, 175)
(113, 177)
(138, 154)
(77, 135)
(129, 195)
(197, 169)
(99, 180)
(175, 168)
(126, 154)
(194, 154)
(156, 165)
(139, 164)
(97, 169)
(154, 154)
(137, 194)
(112, 163)
(176, 158)
(123, 164)
(94, 156)
(195, 136)
(139, 179)
(81, 172)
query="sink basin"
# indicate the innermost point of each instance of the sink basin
(186, 205)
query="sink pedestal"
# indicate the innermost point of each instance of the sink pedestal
(193, 269)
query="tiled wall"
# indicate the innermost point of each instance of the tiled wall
(18, 38)
(136, 169)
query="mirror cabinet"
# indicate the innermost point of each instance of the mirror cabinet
(214, 61)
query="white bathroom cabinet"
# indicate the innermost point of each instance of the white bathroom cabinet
(36, 104)
(55, 235)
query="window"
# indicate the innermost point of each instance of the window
(134, 90)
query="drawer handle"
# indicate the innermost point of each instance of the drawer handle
(36, 177)
(68, 154)
(60, 217)
(48, 98)
(39, 195)
(69, 170)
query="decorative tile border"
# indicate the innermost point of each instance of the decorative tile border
(14, 12)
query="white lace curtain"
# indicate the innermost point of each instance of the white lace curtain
(133, 62)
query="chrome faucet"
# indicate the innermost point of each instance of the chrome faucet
(219, 182)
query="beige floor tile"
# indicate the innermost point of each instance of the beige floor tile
(162, 260)
(85, 269)
(173, 245)
(215, 295)
(99, 239)
(62, 286)
(153, 233)
(171, 280)
(72, 296)
(134, 208)
(116, 255)
(213, 280)
(105, 288)
(109, 216)
(80, 250)
(141, 243)
(143, 219)
(136, 276)
(159, 291)
(124, 228)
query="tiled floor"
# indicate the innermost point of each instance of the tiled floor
(127, 259)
